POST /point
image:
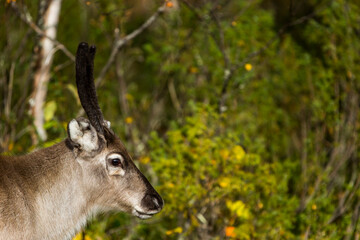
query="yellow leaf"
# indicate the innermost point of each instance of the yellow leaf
(129, 97)
(175, 230)
(49, 110)
(239, 208)
(194, 221)
(144, 160)
(129, 120)
(239, 152)
(194, 69)
(224, 182)
(78, 236)
(11, 146)
(248, 67)
(224, 153)
(64, 125)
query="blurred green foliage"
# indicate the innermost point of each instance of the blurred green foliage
(281, 160)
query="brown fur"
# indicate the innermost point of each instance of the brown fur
(50, 193)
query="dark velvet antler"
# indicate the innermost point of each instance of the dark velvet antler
(85, 85)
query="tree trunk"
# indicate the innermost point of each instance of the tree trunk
(49, 11)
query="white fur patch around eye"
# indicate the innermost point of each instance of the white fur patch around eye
(115, 170)
(82, 135)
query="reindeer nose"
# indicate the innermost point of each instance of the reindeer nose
(152, 201)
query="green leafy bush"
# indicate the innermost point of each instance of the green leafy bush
(209, 183)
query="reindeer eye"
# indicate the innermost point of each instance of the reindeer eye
(115, 162)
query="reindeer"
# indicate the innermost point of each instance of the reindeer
(52, 192)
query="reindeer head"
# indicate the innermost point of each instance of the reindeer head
(114, 182)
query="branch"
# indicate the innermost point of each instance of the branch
(221, 43)
(26, 17)
(121, 42)
(228, 75)
(227, 64)
(230, 68)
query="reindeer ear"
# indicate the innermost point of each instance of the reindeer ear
(83, 135)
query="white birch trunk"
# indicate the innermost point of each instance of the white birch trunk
(44, 60)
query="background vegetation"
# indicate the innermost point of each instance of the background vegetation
(244, 114)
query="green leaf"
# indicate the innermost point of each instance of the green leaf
(49, 111)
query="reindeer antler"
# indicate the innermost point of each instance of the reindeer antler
(85, 85)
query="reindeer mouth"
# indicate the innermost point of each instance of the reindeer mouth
(143, 215)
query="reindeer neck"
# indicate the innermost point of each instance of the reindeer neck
(52, 181)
